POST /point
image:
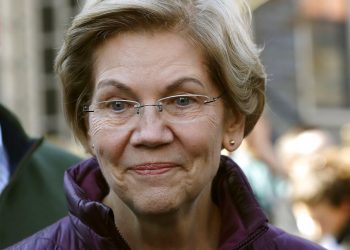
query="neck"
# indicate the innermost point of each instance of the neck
(193, 226)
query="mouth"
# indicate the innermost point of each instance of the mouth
(152, 168)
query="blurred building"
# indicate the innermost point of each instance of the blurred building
(30, 33)
(306, 53)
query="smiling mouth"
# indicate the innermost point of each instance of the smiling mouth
(152, 168)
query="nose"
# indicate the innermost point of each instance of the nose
(151, 130)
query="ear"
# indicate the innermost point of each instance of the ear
(233, 131)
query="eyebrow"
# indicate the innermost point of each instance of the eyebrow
(182, 81)
(114, 83)
(173, 86)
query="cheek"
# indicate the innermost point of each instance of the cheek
(214, 127)
(107, 140)
(203, 145)
(95, 126)
(203, 139)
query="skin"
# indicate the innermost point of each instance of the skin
(160, 172)
(332, 219)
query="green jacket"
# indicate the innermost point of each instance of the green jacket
(34, 196)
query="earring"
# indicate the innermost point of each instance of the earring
(93, 146)
(232, 142)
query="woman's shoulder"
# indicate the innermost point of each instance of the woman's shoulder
(276, 238)
(56, 236)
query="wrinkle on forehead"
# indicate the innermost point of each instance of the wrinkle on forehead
(149, 54)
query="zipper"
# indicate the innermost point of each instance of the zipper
(252, 237)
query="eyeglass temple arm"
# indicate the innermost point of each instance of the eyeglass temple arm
(213, 99)
(86, 109)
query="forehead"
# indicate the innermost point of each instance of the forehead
(148, 59)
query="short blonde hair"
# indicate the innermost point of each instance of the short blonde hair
(220, 27)
(326, 177)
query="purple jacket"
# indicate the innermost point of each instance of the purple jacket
(90, 224)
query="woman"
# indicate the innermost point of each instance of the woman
(154, 90)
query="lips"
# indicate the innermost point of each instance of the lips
(152, 168)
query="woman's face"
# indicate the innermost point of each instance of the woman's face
(332, 219)
(151, 164)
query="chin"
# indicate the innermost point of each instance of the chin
(156, 204)
(157, 212)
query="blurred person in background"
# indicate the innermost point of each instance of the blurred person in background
(31, 185)
(299, 141)
(154, 90)
(325, 190)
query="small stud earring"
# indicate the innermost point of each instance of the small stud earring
(232, 142)
(93, 146)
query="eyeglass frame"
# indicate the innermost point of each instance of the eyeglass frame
(158, 104)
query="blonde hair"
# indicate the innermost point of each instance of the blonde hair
(220, 27)
(326, 177)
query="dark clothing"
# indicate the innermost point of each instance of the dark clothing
(34, 197)
(90, 224)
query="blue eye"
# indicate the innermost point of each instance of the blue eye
(118, 106)
(183, 100)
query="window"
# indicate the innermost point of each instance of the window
(47, 19)
(49, 57)
(330, 59)
(322, 57)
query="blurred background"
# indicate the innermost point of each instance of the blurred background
(31, 31)
(306, 51)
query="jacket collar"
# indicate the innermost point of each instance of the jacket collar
(16, 141)
(85, 187)
(242, 216)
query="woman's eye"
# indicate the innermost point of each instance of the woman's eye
(117, 106)
(183, 100)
